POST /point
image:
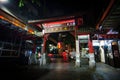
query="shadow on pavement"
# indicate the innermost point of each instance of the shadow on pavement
(21, 72)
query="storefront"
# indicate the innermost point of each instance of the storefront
(107, 50)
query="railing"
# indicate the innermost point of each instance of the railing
(8, 49)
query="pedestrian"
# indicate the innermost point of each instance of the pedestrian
(72, 54)
(44, 58)
(65, 56)
(39, 58)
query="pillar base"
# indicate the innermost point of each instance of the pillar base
(92, 63)
(77, 62)
(44, 59)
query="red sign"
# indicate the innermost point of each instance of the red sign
(79, 21)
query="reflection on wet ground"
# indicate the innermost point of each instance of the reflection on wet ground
(59, 71)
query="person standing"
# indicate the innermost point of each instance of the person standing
(65, 56)
(102, 54)
(39, 58)
(44, 59)
(72, 54)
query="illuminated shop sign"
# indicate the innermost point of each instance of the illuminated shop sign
(109, 36)
(59, 26)
(39, 34)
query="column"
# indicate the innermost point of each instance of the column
(43, 49)
(91, 54)
(77, 61)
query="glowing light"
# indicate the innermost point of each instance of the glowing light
(59, 45)
(43, 31)
(1, 17)
(31, 31)
(102, 43)
(3, 1)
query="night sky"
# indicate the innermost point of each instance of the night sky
(91, 10)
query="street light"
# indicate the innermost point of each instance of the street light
(3, 1)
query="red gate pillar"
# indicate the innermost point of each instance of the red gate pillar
(79, 22)
(45, 37)
(91, 53)
(77, 61)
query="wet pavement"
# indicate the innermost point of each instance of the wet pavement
(59, 71)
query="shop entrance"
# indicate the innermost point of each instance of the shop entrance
(58, 43)
(83, 48)
(116, 54)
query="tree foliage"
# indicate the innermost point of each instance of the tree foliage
(22, 2)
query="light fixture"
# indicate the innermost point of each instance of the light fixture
(43, 31)
(3, 1)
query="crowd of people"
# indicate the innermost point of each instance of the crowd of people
(68, 56)
(65, 55)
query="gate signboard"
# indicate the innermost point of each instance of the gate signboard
(59, 26)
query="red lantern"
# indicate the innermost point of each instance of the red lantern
(59, 45)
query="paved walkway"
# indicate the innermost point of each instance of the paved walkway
(60, 71)
(67, 71)
(106, 72)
